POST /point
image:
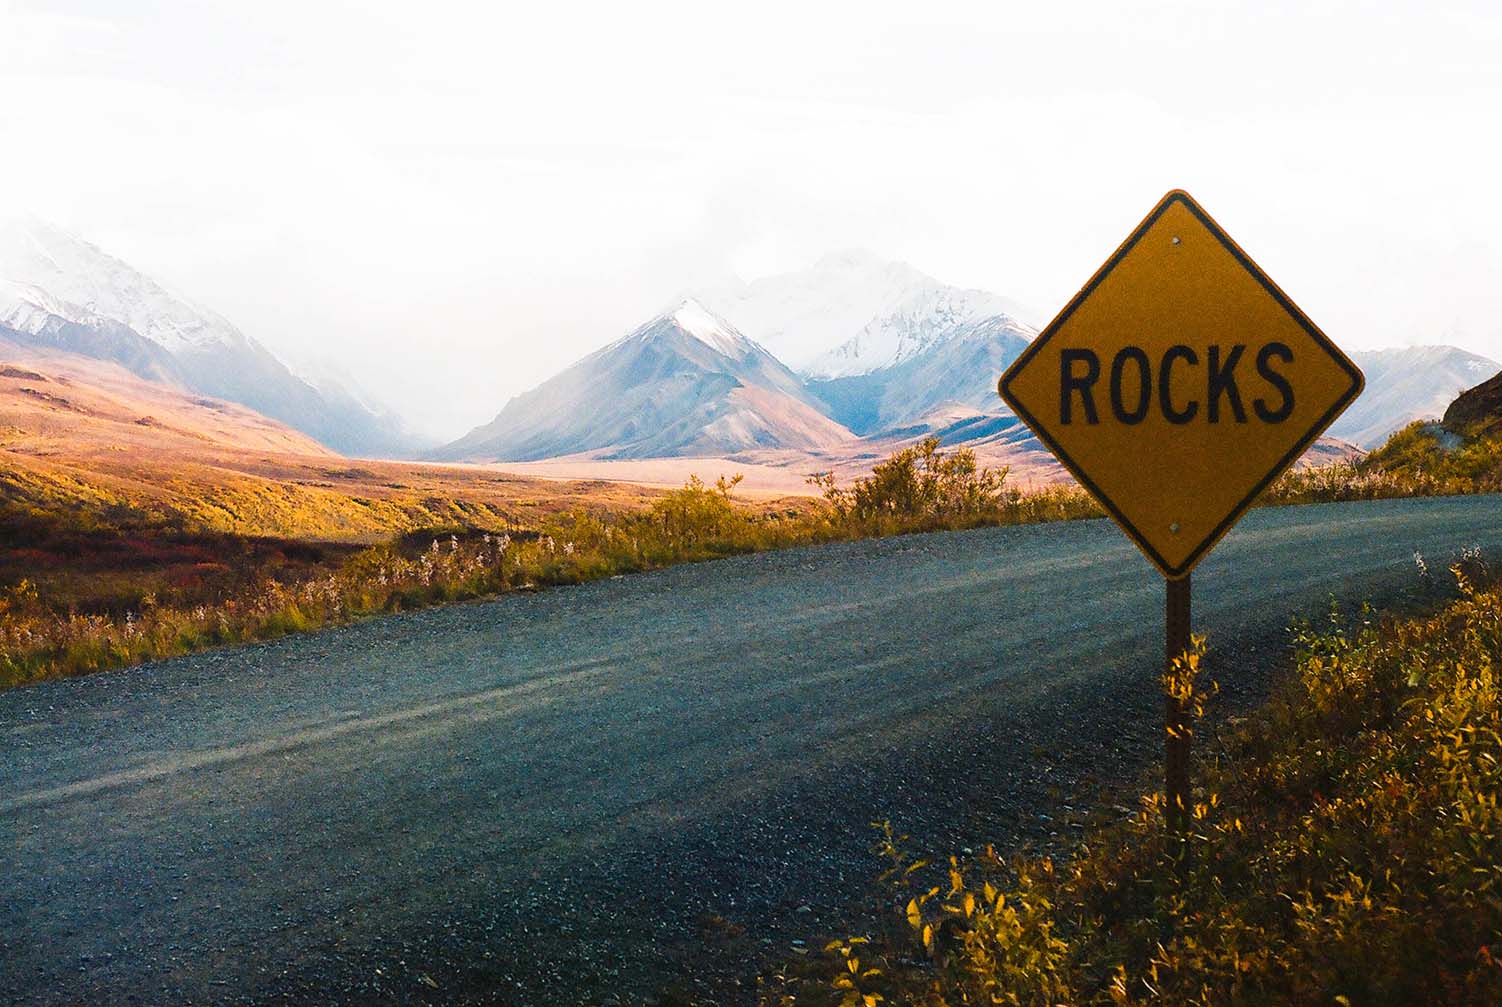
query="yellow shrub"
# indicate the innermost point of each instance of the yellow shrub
(1345, 849)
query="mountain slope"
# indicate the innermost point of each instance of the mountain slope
(88, 445)
(59, 291)
(960, 369)
(55, 402)
(685, 383)
(1476, 411)
(1407, 384)
(28, 314)
(851, 313)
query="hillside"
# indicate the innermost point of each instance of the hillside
(1407, 384)
(1476, 412)
(54, 403)
(1461, 454)
(93, 444)
(957, 370)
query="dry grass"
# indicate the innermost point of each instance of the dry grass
(123, 560)
(88, 595)
(1345, 848)
(137, 522)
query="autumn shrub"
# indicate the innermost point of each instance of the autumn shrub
(1344, 481)
(918, 484)
(923, 488)
(1421, 459)
(1345, 847)
(1427, 453)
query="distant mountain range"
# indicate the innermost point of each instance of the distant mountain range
(882, 353)
(886, 351)
(838, 362)
(58, 291)
(852, 313)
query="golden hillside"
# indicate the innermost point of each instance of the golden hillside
(90, 440)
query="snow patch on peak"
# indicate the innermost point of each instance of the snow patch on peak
(62, 274)
(28, 308)
(697, 320)
(707, 327)
(929, 313)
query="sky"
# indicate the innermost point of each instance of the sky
(453, 201)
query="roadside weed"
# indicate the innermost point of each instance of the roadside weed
(1345, 847)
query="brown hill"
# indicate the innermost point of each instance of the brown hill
(88, 439)
(1477, 410)
(54, 402)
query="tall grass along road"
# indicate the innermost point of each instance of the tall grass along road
(599, 793)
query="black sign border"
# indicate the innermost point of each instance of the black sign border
(1358, 383)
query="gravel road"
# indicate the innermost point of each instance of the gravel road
(595, 794)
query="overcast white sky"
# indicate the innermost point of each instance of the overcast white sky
(458, 199)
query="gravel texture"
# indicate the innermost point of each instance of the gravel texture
(637, 790)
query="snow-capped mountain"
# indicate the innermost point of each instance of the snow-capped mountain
(884, 346)
(959, 369)
(881, 343)
(1406, 384)
(687, 383)
(65, 276)
(852, 313)
(59, 291)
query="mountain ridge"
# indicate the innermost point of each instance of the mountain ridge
(885, 349)
(58, 290)
(684, 381)
(938, 376)
(851, 313)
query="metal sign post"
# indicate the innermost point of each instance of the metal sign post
(1175, 387)
(1176, 726)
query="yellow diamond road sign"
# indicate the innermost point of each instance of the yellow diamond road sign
(1179, 383)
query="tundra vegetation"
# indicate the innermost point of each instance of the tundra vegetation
(88, 582)
(1345, 848)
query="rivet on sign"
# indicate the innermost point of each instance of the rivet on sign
(1175, 239)
(1174, 527)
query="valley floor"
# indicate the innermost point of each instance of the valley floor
(586, 795)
